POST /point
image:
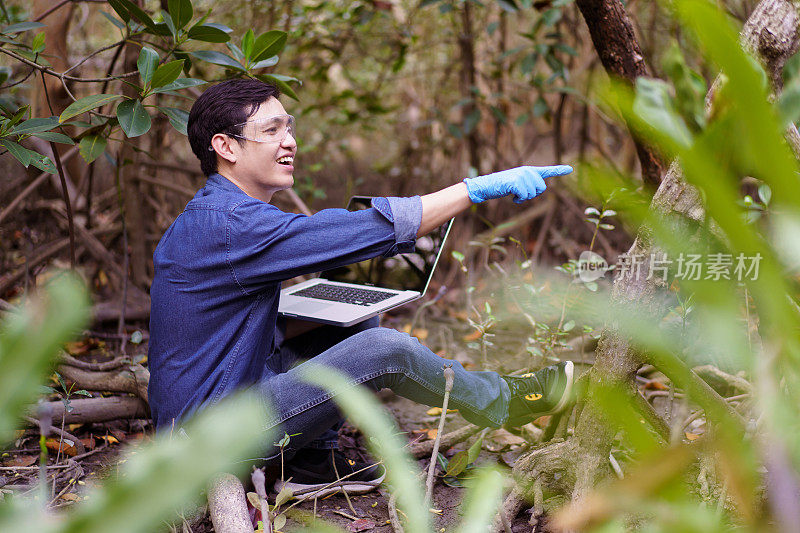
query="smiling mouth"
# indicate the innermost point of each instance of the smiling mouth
(286, 160)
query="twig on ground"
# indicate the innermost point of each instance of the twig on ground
(448, 440)
(449, 376)
(394, 519)
(77, 444)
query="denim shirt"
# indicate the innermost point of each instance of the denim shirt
(218, 270)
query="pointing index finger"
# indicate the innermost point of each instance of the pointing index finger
(554, 170)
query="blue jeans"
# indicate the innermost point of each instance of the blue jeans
(377, 358)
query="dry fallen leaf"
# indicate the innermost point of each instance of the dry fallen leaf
(436, 411)
(472, 337)
(109, 439)
(71, 497)
(506, 438)
(362, 524)
(427, 433)
(67, 446)
(22, 460)
(655, 385)
(692, 436)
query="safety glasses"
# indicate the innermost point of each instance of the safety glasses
(267, 130)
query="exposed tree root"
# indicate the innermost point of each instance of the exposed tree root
(550, 467)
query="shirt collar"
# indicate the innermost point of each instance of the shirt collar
(216, 179)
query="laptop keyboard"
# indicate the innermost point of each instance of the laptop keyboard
(349, 295)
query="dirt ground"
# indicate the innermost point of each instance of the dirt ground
(108, 443)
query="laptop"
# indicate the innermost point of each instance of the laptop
(347, 295)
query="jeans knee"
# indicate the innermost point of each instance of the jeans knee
(392, 348)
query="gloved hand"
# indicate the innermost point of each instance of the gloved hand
(523, 182)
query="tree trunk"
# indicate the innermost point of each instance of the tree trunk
(466, 43)
(135, 210)
(616, 44)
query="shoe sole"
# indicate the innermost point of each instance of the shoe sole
(350, 487)
(569, 369)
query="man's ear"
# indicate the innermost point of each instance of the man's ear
(223, 145)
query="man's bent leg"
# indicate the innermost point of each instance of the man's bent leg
(292, 352)
(380, 358)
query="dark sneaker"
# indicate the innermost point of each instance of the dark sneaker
(310, 472)
(540, 393)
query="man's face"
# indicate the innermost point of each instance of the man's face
(257, 166)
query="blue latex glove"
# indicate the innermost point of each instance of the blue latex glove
(523, 182)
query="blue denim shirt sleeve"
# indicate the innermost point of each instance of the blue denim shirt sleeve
(265, 244)
(406, 215)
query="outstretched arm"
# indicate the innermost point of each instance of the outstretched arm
(524, 183)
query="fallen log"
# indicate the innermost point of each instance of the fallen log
(132, 380)
(92, 410)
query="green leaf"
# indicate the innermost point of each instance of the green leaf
(29, 342)
(21, 27)
(280, 82)
(180, 11)
(22, 154)
(475, 449)
(181, 83)
(37, 45)
(361, 407)
(85, 104)
(162, 28)
(238, 55)
(283, 496)
(137, 13)
(269, 62)
(509, 6)
(652, 104)
(133, 118)
(113, 20)
(268, 44)
(568, 326)
(147, 63)
(121, 10)
(170, 24)
(92, 146)
(247, 43)
(208, 33)
(765, 193)
(457, 463)
(280, 521)
(43, 163)
(54, 136)
(34, 125)
(177, 117)
(167, 73)
(18, 116)
(218, 58)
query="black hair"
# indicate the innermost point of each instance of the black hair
(218, 109)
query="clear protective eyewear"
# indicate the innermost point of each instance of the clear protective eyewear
(267, 130)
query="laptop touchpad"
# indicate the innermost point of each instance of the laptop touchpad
(307, 307)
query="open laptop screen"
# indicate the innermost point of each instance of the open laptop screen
(404, 272)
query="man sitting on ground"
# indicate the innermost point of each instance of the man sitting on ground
(214, 325)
